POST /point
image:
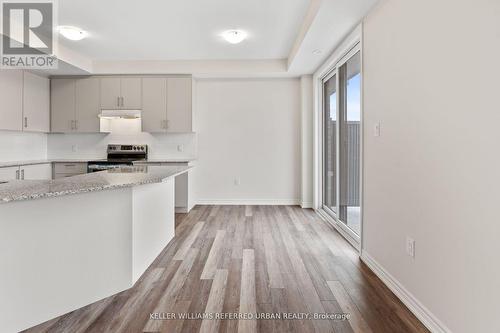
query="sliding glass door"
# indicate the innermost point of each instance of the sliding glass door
(330, 146)
(342, 143)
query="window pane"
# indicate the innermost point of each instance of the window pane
(330, 143)
(350, 137)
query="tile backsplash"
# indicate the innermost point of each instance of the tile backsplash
(94, 145)
(22, 146)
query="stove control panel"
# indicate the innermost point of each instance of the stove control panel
(127, 149)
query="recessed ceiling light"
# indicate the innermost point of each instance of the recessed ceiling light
(234, 36)
(317, 52)
(72, 33)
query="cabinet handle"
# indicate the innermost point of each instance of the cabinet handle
(25, 122)
(118, 101)
(22, 174)
(122, 101)
(17, 174)
(76, 124)
(72, 125)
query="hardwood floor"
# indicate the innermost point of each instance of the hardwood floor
(248, 259)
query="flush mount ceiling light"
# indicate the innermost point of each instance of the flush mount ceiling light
(317, 51)
(72, 33)
(234, 36)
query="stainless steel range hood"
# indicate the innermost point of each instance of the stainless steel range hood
(120, 121)
(120, 114)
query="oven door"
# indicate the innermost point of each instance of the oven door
(102, 166)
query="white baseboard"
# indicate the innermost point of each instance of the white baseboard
(306, 204)
(413, 304)
(249, 202)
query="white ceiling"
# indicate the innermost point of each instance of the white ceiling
(128, 36)
(182, 29)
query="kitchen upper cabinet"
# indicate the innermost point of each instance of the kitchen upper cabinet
(167, 104)
(11, 95)
(131, 93)
(110, 93)
(154, 104)
(9, 173)
(75, 105)
(87, 105)
(62, 105)
(36, 171)
(36, 103)
(121, 93)
(179, 105)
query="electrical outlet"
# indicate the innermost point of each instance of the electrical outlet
(237, 182)
(180, 148)
(410, 247)
(376, 129)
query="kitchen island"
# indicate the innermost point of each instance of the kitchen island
(70, 242)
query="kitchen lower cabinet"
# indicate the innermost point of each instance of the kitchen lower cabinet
(28, 172)
(63, 170)
(9, 173)
(36, 171)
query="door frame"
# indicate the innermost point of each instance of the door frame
(349, 47)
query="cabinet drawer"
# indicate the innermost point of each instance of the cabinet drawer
(70, 168)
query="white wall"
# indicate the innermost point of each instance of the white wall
(306, 138)
(248, 130)
(431, 72)
(94, 145)
(22, 146)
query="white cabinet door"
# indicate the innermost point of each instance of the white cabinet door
(154, 104)
(131, 93)
(110, 92)
(11, 95)
(37, 171)
(179, 100)
(87, 105)
(36, 102)
(9, 173)
(62, 105)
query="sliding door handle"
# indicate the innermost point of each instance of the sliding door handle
(25, 122)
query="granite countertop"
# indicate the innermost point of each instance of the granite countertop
(18, 190)
(85, 160)
(167, 160)
(33, 162)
